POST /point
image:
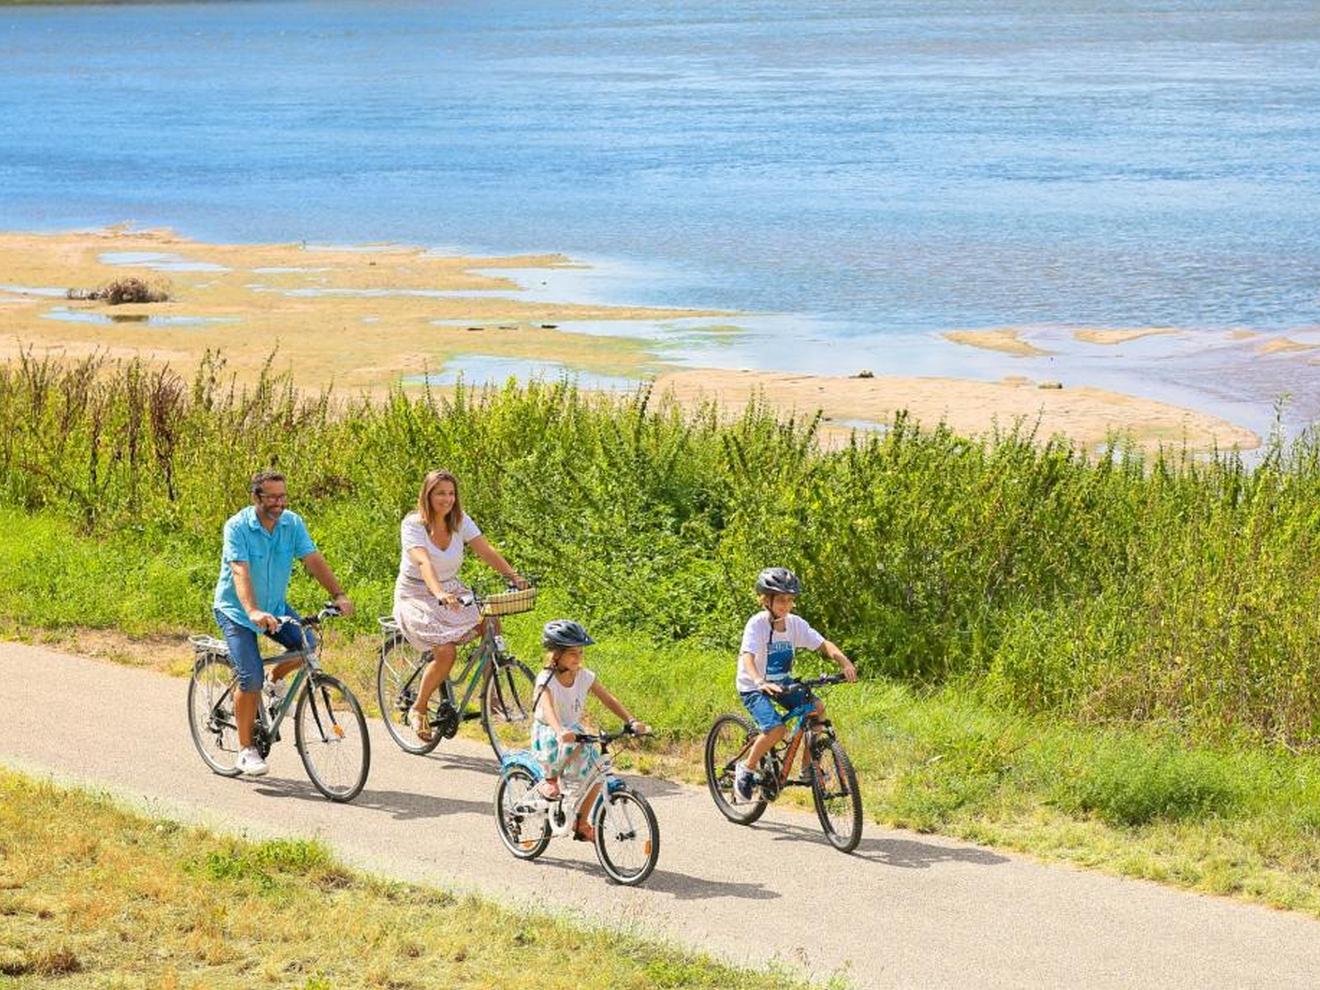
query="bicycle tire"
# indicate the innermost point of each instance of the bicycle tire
(506, 706)
(728, 738)
(515, 783)
(211, 718)
(613, 838)
(840, 810)
(323, 732)
(395, 689)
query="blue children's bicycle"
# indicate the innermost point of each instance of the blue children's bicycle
(627, 836)
(826, 769)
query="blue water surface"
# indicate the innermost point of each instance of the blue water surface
(880, 167)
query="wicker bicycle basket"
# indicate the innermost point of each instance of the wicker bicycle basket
(509, 602)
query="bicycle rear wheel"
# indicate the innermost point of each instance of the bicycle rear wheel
(398, 677)
(728, 740)
(330, 732)
(211, 720)
(838, 801)
(627, 837)
(506, 706)
(524, 836)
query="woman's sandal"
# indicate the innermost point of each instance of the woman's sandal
(417, 722)
(584, 833)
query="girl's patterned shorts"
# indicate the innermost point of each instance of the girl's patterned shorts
(570, 762)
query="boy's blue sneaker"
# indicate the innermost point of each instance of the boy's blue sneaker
(742, 784)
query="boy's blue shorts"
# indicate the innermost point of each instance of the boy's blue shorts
(762, 706)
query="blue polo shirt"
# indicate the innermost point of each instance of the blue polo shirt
(269, 557)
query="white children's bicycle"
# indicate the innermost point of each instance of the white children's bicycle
(627, 836)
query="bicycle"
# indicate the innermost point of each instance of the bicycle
(826, 769)
(505, 683)
(627, 839)
(330, 730)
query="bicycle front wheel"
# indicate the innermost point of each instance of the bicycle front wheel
(330, 732)
(211, 718)
(506, 706)
(627, 837)
(524, 834)
(399, 674)
(838, 801)
(727, 742)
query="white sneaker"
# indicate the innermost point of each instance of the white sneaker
(249, 762)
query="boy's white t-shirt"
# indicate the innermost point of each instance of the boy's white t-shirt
(446, 562)
(773, 656)
(568, 701)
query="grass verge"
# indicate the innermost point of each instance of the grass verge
(92, 895)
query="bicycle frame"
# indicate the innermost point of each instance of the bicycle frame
(601, 773)
(310, 657)
(799, 717)
(489, 647)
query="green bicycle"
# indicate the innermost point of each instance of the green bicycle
(329, 728)
(501, 682)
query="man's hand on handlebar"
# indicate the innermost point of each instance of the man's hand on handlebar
(264, 620)
(343, 604)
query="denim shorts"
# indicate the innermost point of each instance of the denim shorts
(244, 654)
(762, 706)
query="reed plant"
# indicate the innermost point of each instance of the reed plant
(1172, 589)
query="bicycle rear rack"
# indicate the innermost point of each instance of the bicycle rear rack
(209, 644)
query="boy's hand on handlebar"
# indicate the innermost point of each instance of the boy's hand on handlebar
(771, 688)
(849, 671)
(639, 728)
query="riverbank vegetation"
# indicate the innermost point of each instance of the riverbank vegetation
(1108, 660)
(93, 895)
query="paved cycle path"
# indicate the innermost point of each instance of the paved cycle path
(903, 911)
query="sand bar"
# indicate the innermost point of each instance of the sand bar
(359, 318)
(1005, 340)
(1087, 415)
(1109, 338)
(365, 318)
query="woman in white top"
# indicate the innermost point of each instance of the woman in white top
(426, 594)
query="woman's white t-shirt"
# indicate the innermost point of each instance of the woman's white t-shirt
(568, 700)
(772, 655)
(445, 562)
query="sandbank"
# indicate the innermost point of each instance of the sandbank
(361, 318)
(1283, 345)
(1006, 340)
(1087, 415)
(1109, 338)
(365, 318)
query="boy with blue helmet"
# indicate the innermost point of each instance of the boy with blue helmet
(770, 640)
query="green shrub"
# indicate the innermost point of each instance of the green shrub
(1167, 588)
(1130, 782)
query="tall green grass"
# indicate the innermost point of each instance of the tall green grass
(1170, 589)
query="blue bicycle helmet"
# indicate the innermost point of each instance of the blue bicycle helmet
(778, 581)
(560, 634)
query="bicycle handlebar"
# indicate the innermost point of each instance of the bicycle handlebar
(329, 611)
(606, 737)
(823, 681)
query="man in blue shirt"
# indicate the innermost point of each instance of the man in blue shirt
(261, 543)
